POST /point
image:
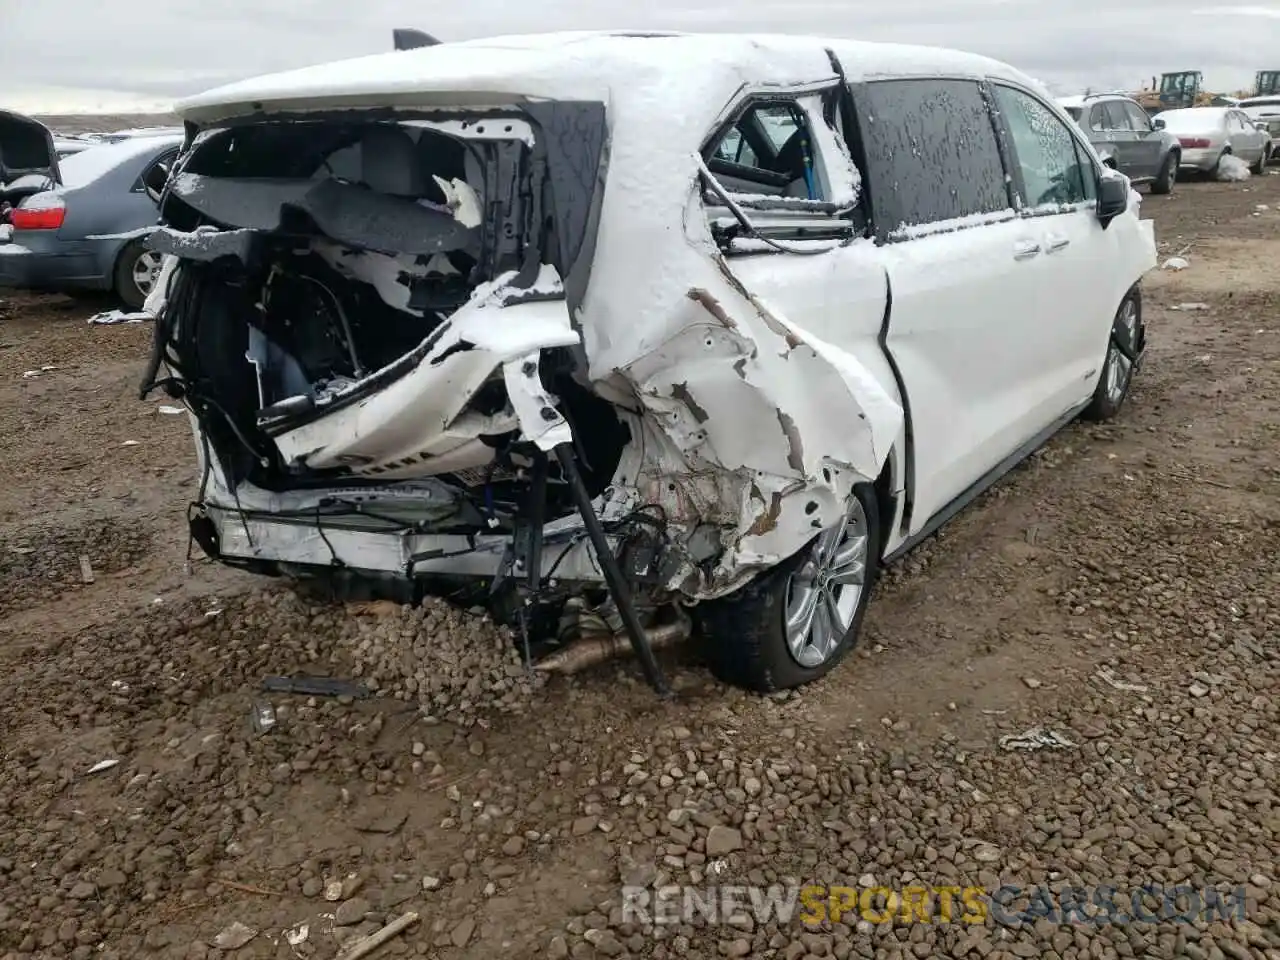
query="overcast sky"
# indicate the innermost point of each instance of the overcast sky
(65, 55)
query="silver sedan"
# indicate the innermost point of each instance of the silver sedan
(1207, 134)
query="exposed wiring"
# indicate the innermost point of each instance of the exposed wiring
(334, 559)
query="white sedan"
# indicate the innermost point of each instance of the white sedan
(1207, 134)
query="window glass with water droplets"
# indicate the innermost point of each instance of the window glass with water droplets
(931, 152)
(1044, 151)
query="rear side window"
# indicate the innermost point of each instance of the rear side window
(1050, 166)
(931, 153)
(1138, 118)
(1116, 117)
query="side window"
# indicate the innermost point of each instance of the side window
(1138, 118)
(769, 151)
(1044, 151)
(1117, 119)
(931, 153)
(735, 149)
(780, 170)
(155, 176)
(1098, 119)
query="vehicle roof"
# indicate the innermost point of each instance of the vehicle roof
(1269, 100)
(578, 66)
(1205, 112)
(88, 165)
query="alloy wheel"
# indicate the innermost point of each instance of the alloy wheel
(1120, 367)
(145, 270)
(824, 594)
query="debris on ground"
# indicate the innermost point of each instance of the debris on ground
(454, 662)
(111, 317)
(1190, 306)
(364, 947)
(1035, 739)
(1107, 677)
(1175, 263)
(1232, 169)
(102, 766)
(234, 936)
(262, 718)
(314, 686)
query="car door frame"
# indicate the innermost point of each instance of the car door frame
(1125, 138)
(1248, 134)
(937, 490)
(1146, 141)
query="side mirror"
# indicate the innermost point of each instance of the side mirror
(1157, 123)
(1113, 197)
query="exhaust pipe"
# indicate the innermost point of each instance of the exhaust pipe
(594, 649)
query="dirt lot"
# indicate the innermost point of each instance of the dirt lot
(1122, 588)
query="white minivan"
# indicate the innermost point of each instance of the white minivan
(687, 329)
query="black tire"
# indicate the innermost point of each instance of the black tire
(123, 282)
(1168, 175)
(1124, 348)
(1260, 166)
(745, 633)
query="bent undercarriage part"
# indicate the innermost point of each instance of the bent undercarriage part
(613, 578)
(591, 649)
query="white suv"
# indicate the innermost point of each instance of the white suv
(651, 321)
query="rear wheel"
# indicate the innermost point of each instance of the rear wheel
(1164, 181)
(795, 622)
(1260, 166)
(136, 271)
(1124, 350)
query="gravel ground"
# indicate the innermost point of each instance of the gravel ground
(1121, 589)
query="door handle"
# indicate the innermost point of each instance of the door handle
(1025, 249)
(1057, 243)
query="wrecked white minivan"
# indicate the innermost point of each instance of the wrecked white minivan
(680, 328)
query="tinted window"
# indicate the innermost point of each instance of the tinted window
(1044, 150)
(931, 152)
(1117, 119)
(1138, 118)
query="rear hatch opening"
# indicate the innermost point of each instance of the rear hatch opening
(320, 263)
(369, 320)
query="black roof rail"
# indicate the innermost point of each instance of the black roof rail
(407, 38)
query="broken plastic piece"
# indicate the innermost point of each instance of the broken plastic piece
(1035, 739)
(263, 717)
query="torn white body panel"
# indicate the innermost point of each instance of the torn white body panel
(417, 426)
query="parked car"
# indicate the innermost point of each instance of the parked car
(84, 228)
(1207, 134)
(1265, 111)
(66, 146)
(1125, 138)
(718, 322)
